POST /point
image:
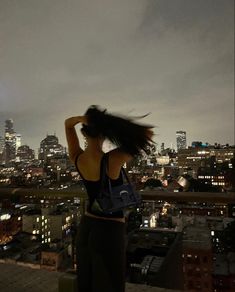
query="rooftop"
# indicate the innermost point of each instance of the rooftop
(197, 237)
(24, 279)
(16, 277)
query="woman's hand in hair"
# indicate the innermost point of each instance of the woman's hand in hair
(73, 121)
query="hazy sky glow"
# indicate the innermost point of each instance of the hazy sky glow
(173, 58)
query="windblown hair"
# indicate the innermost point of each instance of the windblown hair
(123, 132)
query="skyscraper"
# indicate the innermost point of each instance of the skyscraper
(18, 141)
(2, 150)
(10, 141)
(2, 144)
(24, 153)
(50, 147)
(181, 140)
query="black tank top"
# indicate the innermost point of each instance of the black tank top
(93, 187)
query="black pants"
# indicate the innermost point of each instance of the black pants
(101, 255)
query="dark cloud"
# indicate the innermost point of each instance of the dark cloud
(173, 58)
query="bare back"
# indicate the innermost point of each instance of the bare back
(89, 165)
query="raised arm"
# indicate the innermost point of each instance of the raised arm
(72, 137)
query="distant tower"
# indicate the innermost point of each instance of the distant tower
(2, 150)
(18, 141)
(49, 148)
(2, 144)
(10, 141)
(181, 140)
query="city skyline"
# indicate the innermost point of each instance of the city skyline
(181, 142)
(171, 58)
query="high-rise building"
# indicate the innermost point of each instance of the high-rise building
(25, 153)
(2, 150)
(18, 141)
(49, 148)
(2, 144)
(10, 142)
(210, 164)
(181, 140)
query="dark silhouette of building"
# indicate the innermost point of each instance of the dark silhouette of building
(197, 259)
(151, 255)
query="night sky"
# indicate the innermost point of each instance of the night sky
(173, 58)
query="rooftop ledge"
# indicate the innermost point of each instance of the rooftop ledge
(24, 279)
(210, 197)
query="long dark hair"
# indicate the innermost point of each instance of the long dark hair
(123, 132)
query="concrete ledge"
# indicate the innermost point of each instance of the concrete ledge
(68, 283)
(226, 198)
(24, 279)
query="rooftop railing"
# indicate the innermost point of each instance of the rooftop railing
(209, 197)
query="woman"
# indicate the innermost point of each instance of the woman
(101, 238)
